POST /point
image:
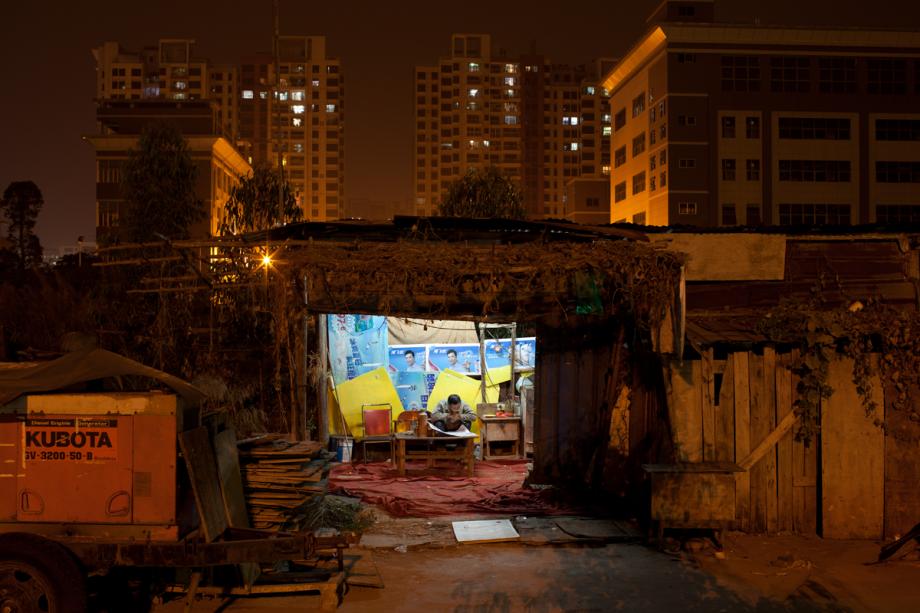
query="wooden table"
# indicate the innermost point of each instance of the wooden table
(431, 448)
(496, 429)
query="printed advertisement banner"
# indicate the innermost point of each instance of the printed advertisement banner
(412, 388)
(498, 353)
(459, 358)
(357, 345)
(408, 358)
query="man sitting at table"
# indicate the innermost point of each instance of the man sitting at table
(452, 413)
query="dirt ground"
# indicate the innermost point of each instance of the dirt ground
(833, 575)
(423, 569)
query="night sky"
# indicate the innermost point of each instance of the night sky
(47, 77)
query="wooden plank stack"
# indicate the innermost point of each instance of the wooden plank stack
(280, 478)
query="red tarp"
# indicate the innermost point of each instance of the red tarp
(497, 487)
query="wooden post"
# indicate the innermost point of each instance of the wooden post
(784, 447)
(742, 437)
(708, 410)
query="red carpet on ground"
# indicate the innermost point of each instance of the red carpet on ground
(496, 487)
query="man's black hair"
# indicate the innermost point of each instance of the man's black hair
(452, 351)
(453, 399)
(408, 351)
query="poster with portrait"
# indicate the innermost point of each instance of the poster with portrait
(407, 358)
(357, 345)
(456, 357)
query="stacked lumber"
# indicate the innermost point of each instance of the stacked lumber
(280, 478)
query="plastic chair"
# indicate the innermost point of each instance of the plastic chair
(377, 420)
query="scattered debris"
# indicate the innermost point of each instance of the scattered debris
(892, 548)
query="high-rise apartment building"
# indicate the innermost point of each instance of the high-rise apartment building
(721, 124)
(541, 124)
(287, 110)
(298, 118)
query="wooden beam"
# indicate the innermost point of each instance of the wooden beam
(767, 444)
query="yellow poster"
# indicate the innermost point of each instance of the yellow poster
(372, 388)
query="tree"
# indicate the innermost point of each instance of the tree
(159, 187)
(21, 203)
(483, 193)
(254, 204)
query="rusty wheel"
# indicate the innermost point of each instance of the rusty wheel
(39, 576)
(25, 589)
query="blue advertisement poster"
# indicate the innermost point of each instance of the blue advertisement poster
(498, 353)
(525, 353)
(459, 358)
(407, 358)
(412, 388)
(357, 344)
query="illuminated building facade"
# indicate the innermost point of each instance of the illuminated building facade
(541, 124)
(721, 124)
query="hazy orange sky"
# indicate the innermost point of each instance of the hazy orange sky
(48, 79)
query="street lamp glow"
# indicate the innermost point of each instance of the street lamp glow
(266, 260)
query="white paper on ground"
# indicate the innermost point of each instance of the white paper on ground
(485, 531)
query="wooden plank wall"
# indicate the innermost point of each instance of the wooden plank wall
(721, 409)
(852, 460)
(902, 468)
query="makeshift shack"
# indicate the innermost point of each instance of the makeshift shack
(775, 325)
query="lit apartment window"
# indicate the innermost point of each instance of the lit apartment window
(511, 120)
(728, 170)
(638, 183)
(263, 95)
(315, 82)
(686, 208)
(605, 169)
(298, 109)
(606, 131)
(509, 81)
(473, 67)
(589, 90)
(814, 214)
(330, 108)
(297, 122)
(605, 118)
(511, 68)
(180, 85)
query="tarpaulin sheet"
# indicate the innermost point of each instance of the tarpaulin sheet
(497, 487)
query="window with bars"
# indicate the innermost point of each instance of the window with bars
(728, 170)
(753, 215)
(728, 127)
(752, 170)
(897, 172)
(790, 74)
(897, 213)
(815, 171)
(897, 129)
(729, 216)
(619, 157)
(638, 144)
(740, 73)
(814, 128)
(886, 76)
(752, 127)
(837, 75)
(686, 208)
(814, 214)
(638, 183)
(619, 192)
